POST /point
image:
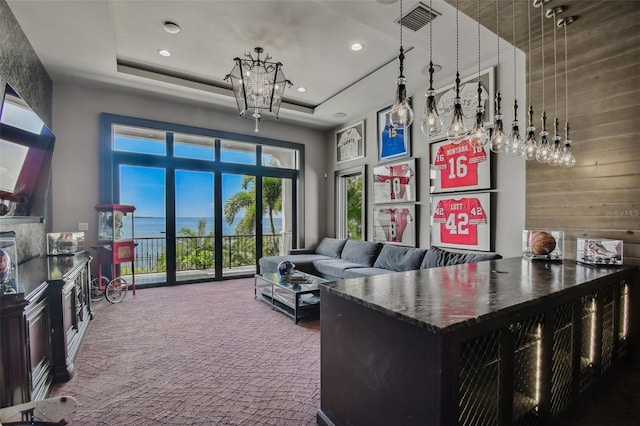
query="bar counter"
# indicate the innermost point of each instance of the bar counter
(510, 341)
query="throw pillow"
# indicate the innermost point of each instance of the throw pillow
(331, 247)
(362, 252)
(399, 259)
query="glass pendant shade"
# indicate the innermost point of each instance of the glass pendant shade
(530, 145)
(258, 86)
(479, 135)
(567, 159)
(401, 112)
(431, 121)
(556, 152)
(515, 145)
(544, 150)
(498, 139)
(456, 129)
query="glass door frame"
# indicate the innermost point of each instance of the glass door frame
(111, 160)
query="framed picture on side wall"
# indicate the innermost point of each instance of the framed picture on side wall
(350, 142)
(459, 166)
(393, 142)
(461, 221)
(395, 223)
(395, 182)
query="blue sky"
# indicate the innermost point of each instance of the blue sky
(143, 187)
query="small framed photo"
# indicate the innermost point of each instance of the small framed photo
(395, 182)
(350, 142)
(393, 142)
(395, 224)
(64, 243)
(461, 221)
(459, 166)
(468, 99)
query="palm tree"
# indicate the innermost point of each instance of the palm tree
(246, 200)
(198, 251)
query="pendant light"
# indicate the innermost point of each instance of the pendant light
(567, 159)
(431, 122)
(530, 145)
(498, 138)
(401, 112)
(544, 150)
(456, 129)
(479, 135)
(515, 145)
(556, 149)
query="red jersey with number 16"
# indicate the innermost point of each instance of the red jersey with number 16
(459, 220)
(458, 164)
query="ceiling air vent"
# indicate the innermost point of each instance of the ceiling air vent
(418, 17)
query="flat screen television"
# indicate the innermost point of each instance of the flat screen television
(26, 150)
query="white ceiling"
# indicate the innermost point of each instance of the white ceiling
(117, 42)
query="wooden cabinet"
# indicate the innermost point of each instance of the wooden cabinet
(42, 326)
(37, 317)
(70, 312)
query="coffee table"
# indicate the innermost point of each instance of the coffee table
(297, 296)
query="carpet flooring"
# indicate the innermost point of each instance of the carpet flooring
(210, 354)
(199, 354)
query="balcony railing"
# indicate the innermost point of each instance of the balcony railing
(198, 252)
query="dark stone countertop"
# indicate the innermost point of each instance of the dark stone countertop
(33, 273)
(447, 298)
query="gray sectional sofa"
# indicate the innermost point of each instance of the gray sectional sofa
(343, 258)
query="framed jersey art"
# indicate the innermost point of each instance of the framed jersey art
(395, 182)
(459, 166)
(393, 142)
(395, 224)
(461, 221)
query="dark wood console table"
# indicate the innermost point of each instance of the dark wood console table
(492, 343)
(42, 325)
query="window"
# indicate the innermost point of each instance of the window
(197, 193)
(351, 218)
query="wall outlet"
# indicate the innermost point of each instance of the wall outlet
(83, 226)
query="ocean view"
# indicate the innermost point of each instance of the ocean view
(155, 226)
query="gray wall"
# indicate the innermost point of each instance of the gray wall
(21, 68)
(77, 108)
(509, 207)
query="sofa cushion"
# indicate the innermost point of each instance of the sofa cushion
(399, 259)
(303, 262)
(334, 267)
(364, 272)
(362, 252)
(436, 256)
(331, 247)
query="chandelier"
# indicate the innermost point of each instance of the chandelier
(258, 86)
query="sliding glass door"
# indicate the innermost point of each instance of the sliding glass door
(194, 224)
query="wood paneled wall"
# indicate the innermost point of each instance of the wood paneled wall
(600, 196)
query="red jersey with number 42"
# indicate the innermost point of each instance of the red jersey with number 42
(458, 164)
(459, 220)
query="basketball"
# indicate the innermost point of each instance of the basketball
(542, 243)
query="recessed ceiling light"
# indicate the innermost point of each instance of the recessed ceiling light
(340, 115)
(164, 52)
(356, 47)
(386, 1)
(302, 89)
(171, 27)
